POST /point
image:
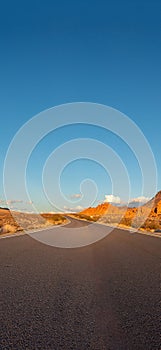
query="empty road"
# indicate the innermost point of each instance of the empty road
(102, 296)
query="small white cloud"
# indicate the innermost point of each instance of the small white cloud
(79, 207)
(76, 195)
(74, 209)
(13, 201)
(140, 199)
(110, 198)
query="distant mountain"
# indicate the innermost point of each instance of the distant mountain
(154, 201)
(108, 213)
(154, 204)
(101, 209)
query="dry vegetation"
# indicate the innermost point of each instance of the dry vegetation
(10, 223)
(150, 224)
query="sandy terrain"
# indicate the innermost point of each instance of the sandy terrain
(14, 222)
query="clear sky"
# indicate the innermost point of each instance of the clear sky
(55, 52)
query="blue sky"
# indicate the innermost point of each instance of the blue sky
(55, 52)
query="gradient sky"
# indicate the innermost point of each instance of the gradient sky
(55, 52)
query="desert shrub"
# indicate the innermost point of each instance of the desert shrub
(126, 221)
(151, 225)
(88, 217)
(53, 218)
(111, 218)
(95, 218)
(8, 229)
(106, 220)
(58, 217)
(136, 223)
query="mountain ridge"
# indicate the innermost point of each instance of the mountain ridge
(147, 216)
(105, 207)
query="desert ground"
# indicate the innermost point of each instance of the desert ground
(12, 222)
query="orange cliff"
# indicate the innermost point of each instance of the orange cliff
(152, 209)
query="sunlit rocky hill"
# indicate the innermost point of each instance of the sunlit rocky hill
(146, 217)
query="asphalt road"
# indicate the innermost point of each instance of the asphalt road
(102, 296)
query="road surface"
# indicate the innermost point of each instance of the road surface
(102, 296)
